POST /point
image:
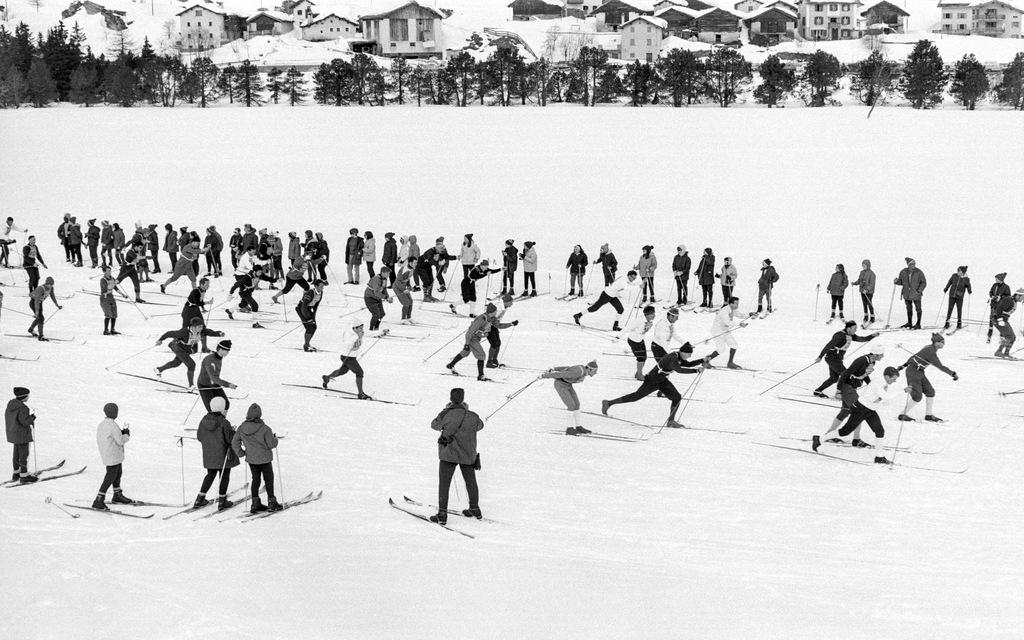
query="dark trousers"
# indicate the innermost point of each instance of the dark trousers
(67, 250)
(681, 290)
(37, 321)
(860, 414)
(290, 283)
(4, 253)
(959, 304)
(530, 281)
(508, 281)
(218, 265)
(868, 304)
(658, 351)
(604, 299)
(119, 255)
(209, 393)
(182, 357)
(494, 340)
(726, 292)
(211, 475)
(155, 254)
(440, 276)
(112, 477)
(445, 472)
(76, 253)
(348, 363)
(639, 350)
(93, 255)
(262, 473)
(648, 289)
(20, 457)
(426, 280)
(33, 278)
(369, 269)
(609, 276)
(174, 259)
(911, 305)
(376, 309)
(708, 292)
(837, 301)
(835, 369)
(650, 385)
(128, 271)
(391, 275)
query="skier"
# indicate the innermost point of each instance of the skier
(108, 304)
(456, 447)
(917, 379)
(213, 244)
(184, 343)
(30, 261)
(255, 442)
(307, 308)
(92, 240)
(477, 331)
(681, 272)
(130, 268)
(414, 252)
(389, 256)
(636, 336)
(442, 263)
(565, 378)
(215, 434)
(245, 285)
(117, 237)
(375, 295)
(722, 330)
(612, 295)
(958, 284)
(20, 424)
(62, 235)
(862, 410)
(664, 334)
(425, 266)
(478, 272)
(502, 304)
(111, 438)
(171, 244)
(765, 284)
(833, 352)
(296, 276)
(529, 258)
(913, 282)
(646, 265)
(369, 252)
(211, 385)
(866, 283)
(235, 246)
(353, 255)
(837, 289)
(351, 341)
(577, 266)
(510, 260)
(106, 244)
(1003, 313)
(727, 278)
(851, 379)
(402, 285)
(705, 273)
(6, 230)
(657, 380)
(187, 265)
(996, 292)
(609, 265)
(195, 306)
(469, 254)
(74, 240)
(35, 303)
(152, 240)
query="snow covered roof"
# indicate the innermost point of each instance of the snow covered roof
(745, 1)
(273, 15)
(684, 10)
(1005, 3)
(763, 10)
(791, 6)
(330, 14)
(212, 8)
(639, 5)
(871, 4)
(383, 14)
(554, 3)
(658, 22)
(954, 3)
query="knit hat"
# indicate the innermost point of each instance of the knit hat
(938, 337)
(686, 348)
(469, 236)
(529, 243)
(506, 298)
(673, 312)
(1019, 292)
(910, 261)
(353, 230)
(196, 322)
(254, 412)
(851, 323)
(631, 272)
(649, 310)
(1000, 276)
(224, 344)
(592, 365)
(510, 241)
(92, 221)
(491, 308)
(110, 410)
(768, 261)
(389, 235)
(604, 247)
(962, 268)
(20, 393)
(457, 395)
(485, 261)
(439, 240)
(217, 404)
(49, 280)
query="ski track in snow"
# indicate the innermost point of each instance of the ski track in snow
(688, 534)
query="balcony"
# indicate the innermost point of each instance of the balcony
(991, 32)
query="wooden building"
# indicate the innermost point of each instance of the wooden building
(720, 26)
(615, 13)
(410, 30)
(537, 9)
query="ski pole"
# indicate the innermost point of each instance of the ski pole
(737, 327)
(181, 445)
(108, 368)
(280, 476)
(456, 337)
(372, 345)
(35, 448)
(549, 283)
(1010, 393)
(817, 295)
(892, 299)
(787, 378)
(510, 397)
(187, 415)
(288, 331)
(508, 342)
(133, 303)
(49, 500)
(899, 436)
(916, 359)
(938, 314)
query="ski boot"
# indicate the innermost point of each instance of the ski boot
(326, 381)
(158, 373)
(582, 431)
(882, 460)
(473, 512)
(819, 394)
(274, 505)
(615, 326)
(570, 431)
(605, 405)
(99, 504)
(257, 506)
(672, 424)
(363, 396)
(946, 326)
(932, 418)
(440, 518)
(733, 365)
(576, 317)
(230, 315)
(28, 479)
(905, 418)
(120, 498)
(223, 503)
(815, 443)
(860, 444)
(201, 501)
(163, 289)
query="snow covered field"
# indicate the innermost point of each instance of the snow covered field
(687, 534)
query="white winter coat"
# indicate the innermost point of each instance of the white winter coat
(638, 330)
(110, 441)
(469, 255)
(618, 286)
(665, 332)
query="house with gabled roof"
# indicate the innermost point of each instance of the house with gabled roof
(330, 26)
(997, 18)
(611, 15)
(718, 25)
(641, 38)
(201, 26)
(773, 24)
(409, 29)
(748, 6)
(537, 9)
(883, 16)
(830, 20)
(267, 22)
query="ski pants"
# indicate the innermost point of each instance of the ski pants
(426, 280)
(445, 472)
(508, 280)
(860, 414)
(182, 357)
(376, 308)
(494, 340)
(440, 276)
(726, 292)
(290, 283)
(639, 350)
(20, 457)
(568, 395)
(474, 348)
(38, 319)
(93, 255)
(369, 269)
(919, 383)
(529, 280)
(392, 275)
(348, 363)
(604, 299)
(868, 304)
(1006, 335)
(609, 276)
(761, 295)
(708, 292)
(211, 475)
(405, 300)
(849, 398)
(911, 305)
(155, 253)
(208, 393)
(107, 255)
(574, 278)
(111, 478)
(959, 304)
(173, 255)
(658, 351)
(837, 302)
(265, 473)
(5, 253)
(33, 278)
(681, 289)
(352, 271)
(129, 271)
(76, 253)
(184, 268)
(648, 289)
(835, 369)
(650, 385)
(109, 306)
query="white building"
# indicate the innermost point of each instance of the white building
(641, 39)
(304, 10)
(748, 6)
(955, 16)
(410, 29)
(330, 26)
(996, 18)
(268, 23)
(201, 26)
(830, 20)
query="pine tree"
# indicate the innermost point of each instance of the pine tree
(22, 48)
(641, 81)
(419, 78)
(776, 81)
(121, 84)
(460, 68)
(249, 85)
(206, 82)
(1011, 90)
(924, 76)
(682, 75)
(83, 85)
(727, 73)
(169, 77)
(970, 82)
(503, 68)
(589, 64)
(399, 71)
(12, 88)
(342, 75)
(323, 80)
(363, 67)
(41, 89)
(874, 79)
(541, 75)
(294, 86)
(377, 84)
(610, 87)
(62, 55)
(275, 85)
(226, 82)
(821, 77)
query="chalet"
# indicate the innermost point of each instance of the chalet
(330, 26)
(304, 10)
(664, 4)
(788, 6)
(410, 29)
(581, 8)
(955, 17)
(641, 39)
(748, 6)
(830, 20)
(883, 16)
(268, 23)
(613, 14)
(718, 26)
(537, 9)
(774, 24)
(997, 19)
(201, 27)
(681, 21)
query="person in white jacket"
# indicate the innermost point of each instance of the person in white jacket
(723, 327)
(636, 335)
(469, 254)
(111, 438)
(612, 295)
(351, 342)
(6, 229)
(665, 333)
(871, 397)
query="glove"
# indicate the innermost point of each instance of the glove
(875, 335)
(443, 441)
(816, 360)
(955, 377)
(126, 431)
(515, 323)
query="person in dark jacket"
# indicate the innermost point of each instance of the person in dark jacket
(306, 310)
(469, 281)
(429, 261)
(837, 285)
(958, 285)
(92, 240)
(996, 292)
(1003, 314)
(213, 244)
(74, 240)
(35, 302)
(324, 253)
(456, 447)
(833, 352)
(681, 272)
(375, 295)
(609, 265)
(20, 423)
(255, 442)
(130, 268)
(918, 384)
(657, 380)
(30, 261)
(215, 434)
(185, 343)
(913, 282)
(510, 258)
(106, 244)
(249, 239)
(865, 283)
(117, 237)
(577, 266)
(171, 244)
(62, 236)
(353, 256)
(389, 255)
(195, 306)
(765, 284)
(705, 273)
(235, 246)
(153, 241)
(211, 384)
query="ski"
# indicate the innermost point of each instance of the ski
(427, 520)
(801, 400)
(211, 502)
(454, 512)
(635, 424)
(309, 497)
(348, 395)
(37, 473)
(926, 468)
(729, 431)
(35, 337)
(17, 359)
(195, 392)
(598, 436)
(1007, 359)
(459, 375)
(110, 512)
(48, 478)
(567, 298)
(872, 447)
(152, 379)
(249, 515)
(813, 453)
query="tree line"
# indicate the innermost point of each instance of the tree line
(55, 67)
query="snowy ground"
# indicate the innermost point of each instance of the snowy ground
(689, 534)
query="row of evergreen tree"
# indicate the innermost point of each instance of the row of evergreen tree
(55, 67)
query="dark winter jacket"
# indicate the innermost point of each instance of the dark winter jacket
(354, 250)
(840, 342)
(577, 262)
(997, 292)
(249, 239)
(30, 256)
(681, 265)
(254, 440)
(92, 235)
(1004, 309)
(672, 363)
(855, 375)
(309, 304)
(209, 372)
(390, 253)
(468, 284)
(184, 339)
(216, 433)
(19, 422)
(107, 237)
(705, 271)
(510, 258)
(458, 426)
(433, 258)
(866, 280)
(958, 285)
(913, 282)
(152, 239)
(838, 283)
(769, 276)
(294, 248)
(118, 239)
(74, 237)
(929, 356)
(609, 264)
(171, 241)
(235, 242)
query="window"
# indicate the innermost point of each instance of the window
(648, 42)
(833, 7)
(199, 13)
(399, 29)
(188, 24)
(846, 20)
(961, 16)
(846, 33)
(632, 42)
(648, 29)
(632, 54)
(424, 29)
(819, 20)
(990, 25)
(947, 16)
(650, 57)
(846, 7)
(718, 37)
(961, 27)
(819, 7)
(211, 23)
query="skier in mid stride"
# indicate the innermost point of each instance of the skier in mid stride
(834, 351)
(565, 378)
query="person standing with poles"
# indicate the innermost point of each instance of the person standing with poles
(510, 258)
(577, 266)
(130, 268)
(913, 283)
(389, 255)
(106, 244)
(866, 286)
(215, 434)
(92, 240)
(529, 258)
(727, 278)
(564, 379)
(681, 272)
(646, 265)
(36, 301)
(705, 273)
(30, 261)
(765, 284)
(20, 424)
(958, 284)
(111, 438)
(469, 254)
(171, 244)
(307, 308)
(351, 342)
(837, 285)
(833, 352)
(211, 385)
(456, 447)
(353, 256)
(996, 292)
(609, 265)
(255, 442)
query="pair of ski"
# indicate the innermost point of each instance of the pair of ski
(734, 432)
(10, 484)
(117, 512)
(346, 395)
(861, 462)
(872, 447)
(17, 359)
(1005, 358)
(599, 436)
(36, 337)
(312, 496)
(211, 503)
(568, 297)
(426, 519)
(452, 372)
